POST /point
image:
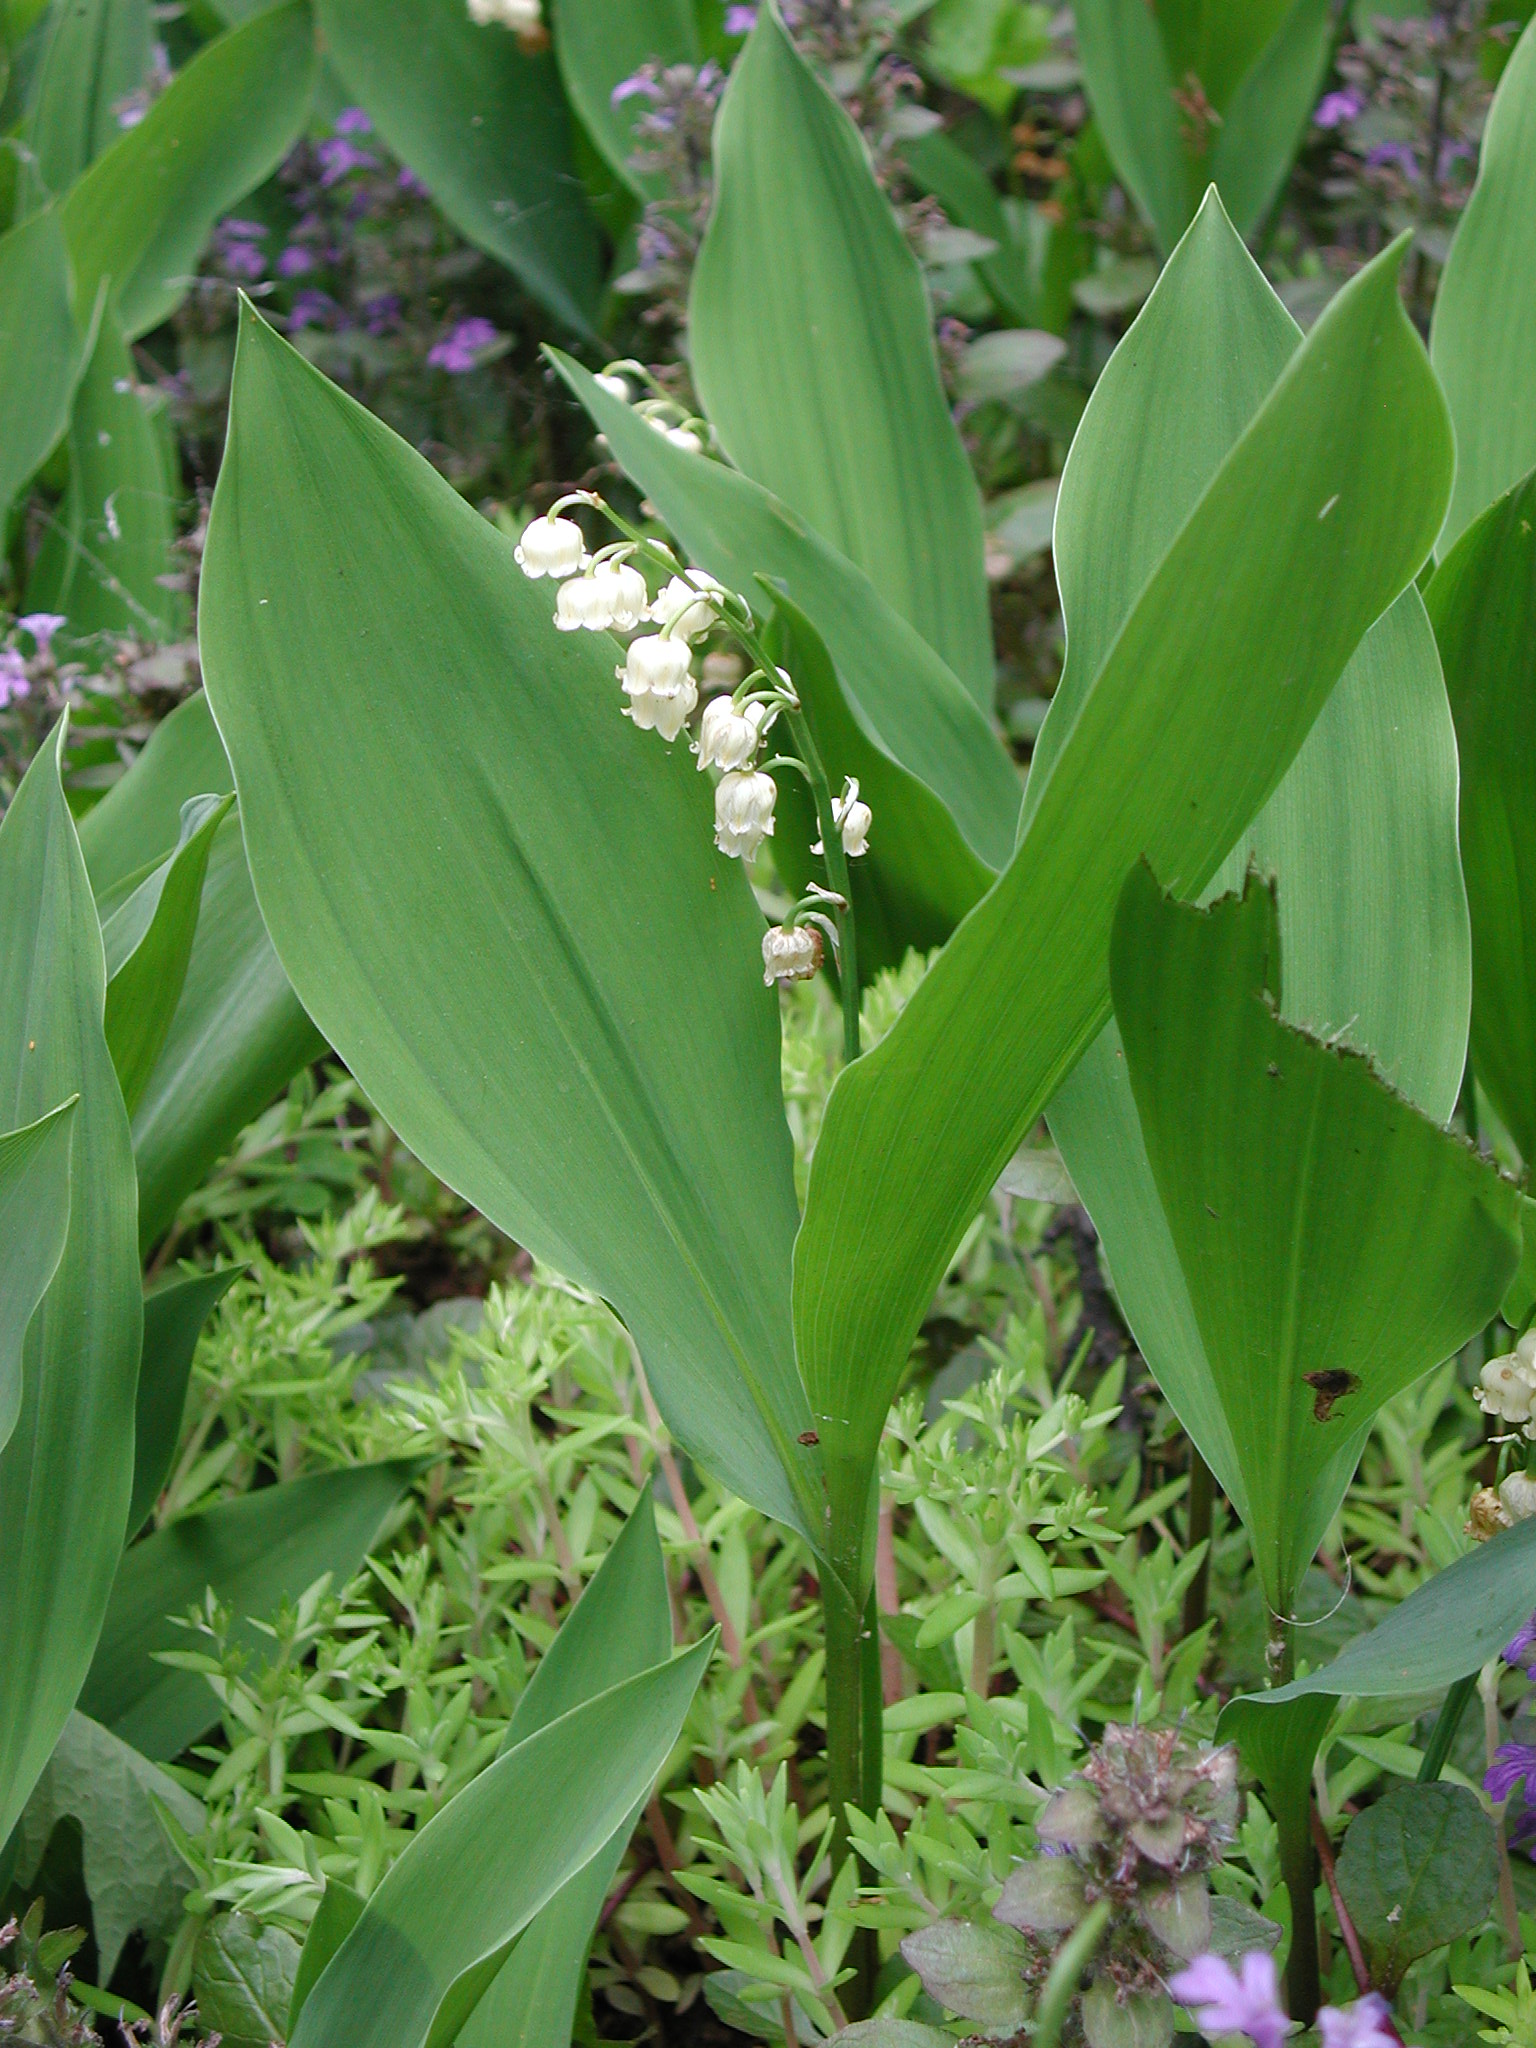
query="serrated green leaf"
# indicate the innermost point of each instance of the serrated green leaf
(174, 1315)
(34, 1225)
(1417, 1869)
(41, 348)
(571, 1027)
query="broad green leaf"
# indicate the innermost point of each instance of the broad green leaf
(34, 1224)
(483, 122)
(66, 1473)
(825, 387)
(1482, 602)
(1418, 1868)
(440, 1922)
(621, 1626)
(144, 209)
(41, 349)
(600, 43)
(95, 53)
(239, 1034)
(904, 699)
(338, 1912)
(174, 1315)
(1336, 1244)
(134, 1877)
(255, 1552)
(243, 1978)
(975, 1969)
(1131, 88)
(101, 561)
(1361, 831)
(1482, 340)
(502, 903)
(1216, 41)
(148, 942)
(1265, 122)
(1201, 704)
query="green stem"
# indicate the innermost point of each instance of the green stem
(837, 879)
(844, 1621)
(1302, 1982)
(873, 1772)
(1447, 1721)
(1202, 1493)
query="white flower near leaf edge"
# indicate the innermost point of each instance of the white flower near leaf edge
(1507, 1386)
(519, 15)
(584, 605)
(616, 387)
(626, 593)
(686, 606)
(744, 802)
(550, 547)
(660, 689)
(729, 738)
(853, 818)
(790, 953)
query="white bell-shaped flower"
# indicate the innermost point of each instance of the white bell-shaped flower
(854, 819)
(521, 15)
(1517, 1497)
(790, 952)
(685, 604)
(680, 437)
(627, 595)
(584, 604)
(728, 736)
(744, 802)
(660, 690)
(616, 387)
(550, 547)
(1507, 1387)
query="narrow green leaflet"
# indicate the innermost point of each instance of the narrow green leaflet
(1315, 521)
(174, 1315)
(148, 943)
(484, 124)
(41, 349)
(600, 43)
(60, 1536)
(133, 1875)
(138, 821)
(621, 1626)
(34, 1223)
(101, 560)
(1131, 87)
(255, 1552)
(1336, 1244)
(142, 212)
(1265, 121)
(438, 1927)
(95, 54)
(825, 389)
(502, 903)
(903, 697)
(1482, 603)
(1483, 340)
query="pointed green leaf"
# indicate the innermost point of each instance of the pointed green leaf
(600, 43)
(483, 123)
(621, 1626)
(904, 699)
(1483, 340)
(338, 1912)
(133, 1875)
(474, 1877)
(825, 388)
(1482, 603)
(1336, 1244)
(34, 1223)
(1265, 122)
(144, 209)
(502, 903)
(94, 54)
(41, 349)
(1315, 521)
(174, 1316)
(255, 1552)
(148, 942)
(100, 562)
(1131, 89)
(138, 821)
(66, 1473)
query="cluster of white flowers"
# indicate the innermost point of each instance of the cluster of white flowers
(656, 412)
(519, 15)
(1507, 1386)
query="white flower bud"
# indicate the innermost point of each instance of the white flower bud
(1517, 1497)
(584, 603)
(853, 820)
(680, 437)
(616, 387)
(550, 547)
(1507, 1388)
(626, 593)
(521, 15)
(744, 803)
(661, 692)
(729, 738)
(685, 604)
(790, 953)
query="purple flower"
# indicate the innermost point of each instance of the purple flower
(295, 261)
(409, 182)
(461, 349)
(234, 230)
(1335, 108)
(352, 121)
(1366, 2024)
(243, 259)
(13, 677)
(1514, 1651)
(740, 21)
(1398, 153)
(311, 309)
(338, 156)
(1513, 1763)
(1225, 2003)
(638, 84)
(42, 626)
(381, 312)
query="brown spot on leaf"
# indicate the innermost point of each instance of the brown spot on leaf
(807, 1436)
(1328, 1387)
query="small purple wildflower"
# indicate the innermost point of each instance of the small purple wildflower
(311, 309)
(639, 85)
(339, 156)
(1335, 108)
(244, 259)
(1224, 2002)
(740, 21)
(382, 312)
(236, 230)
(409, 182)
(353, 121)
(295, 261)
(1514, 1651)
(461, 349)
(1513, 1763)
(1399, 154)
(42, 626)
(13, 677)
(1365, 2024)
